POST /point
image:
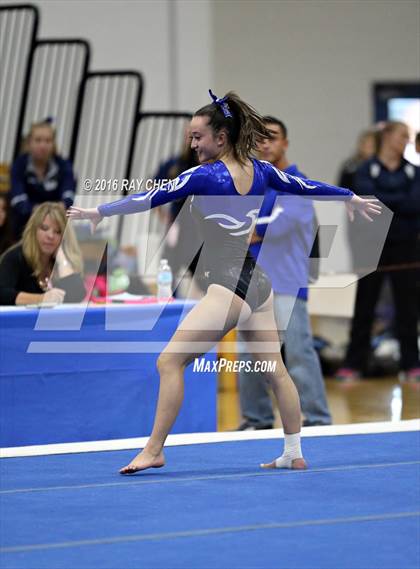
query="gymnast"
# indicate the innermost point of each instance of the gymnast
(225, 191)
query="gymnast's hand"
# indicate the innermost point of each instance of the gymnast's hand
(92, 214)
(365, 206)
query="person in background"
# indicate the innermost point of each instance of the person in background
(396, 182)
(417, 143)
(43, 267)
(358, 232)
(39, 175)
(365, 149)
(285, 259)
(6, 233)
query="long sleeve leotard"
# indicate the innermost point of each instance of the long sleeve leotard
(227, 217)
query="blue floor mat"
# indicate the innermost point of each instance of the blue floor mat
(212, 506)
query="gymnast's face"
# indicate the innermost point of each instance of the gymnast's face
(207, 145)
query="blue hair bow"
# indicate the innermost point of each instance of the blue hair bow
(222, 104)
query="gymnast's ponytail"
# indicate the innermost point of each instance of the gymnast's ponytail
(243, 125)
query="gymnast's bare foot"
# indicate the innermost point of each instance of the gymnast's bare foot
(285, 462)
(144, 460)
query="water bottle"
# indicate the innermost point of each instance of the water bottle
(164, 280)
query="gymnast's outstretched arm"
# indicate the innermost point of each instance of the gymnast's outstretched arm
(190, 182)
(284, 182)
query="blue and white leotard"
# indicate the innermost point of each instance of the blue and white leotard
(227, 217)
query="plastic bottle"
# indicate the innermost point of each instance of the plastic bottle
(164, 280)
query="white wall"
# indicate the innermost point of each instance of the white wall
(160, 38)
(195, 52)
(312, 63)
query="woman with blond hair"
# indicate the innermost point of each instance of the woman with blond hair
(226, 191)
(46, 265)
(39, 174)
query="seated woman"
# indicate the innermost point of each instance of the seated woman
(43, 267)
(38, 175)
